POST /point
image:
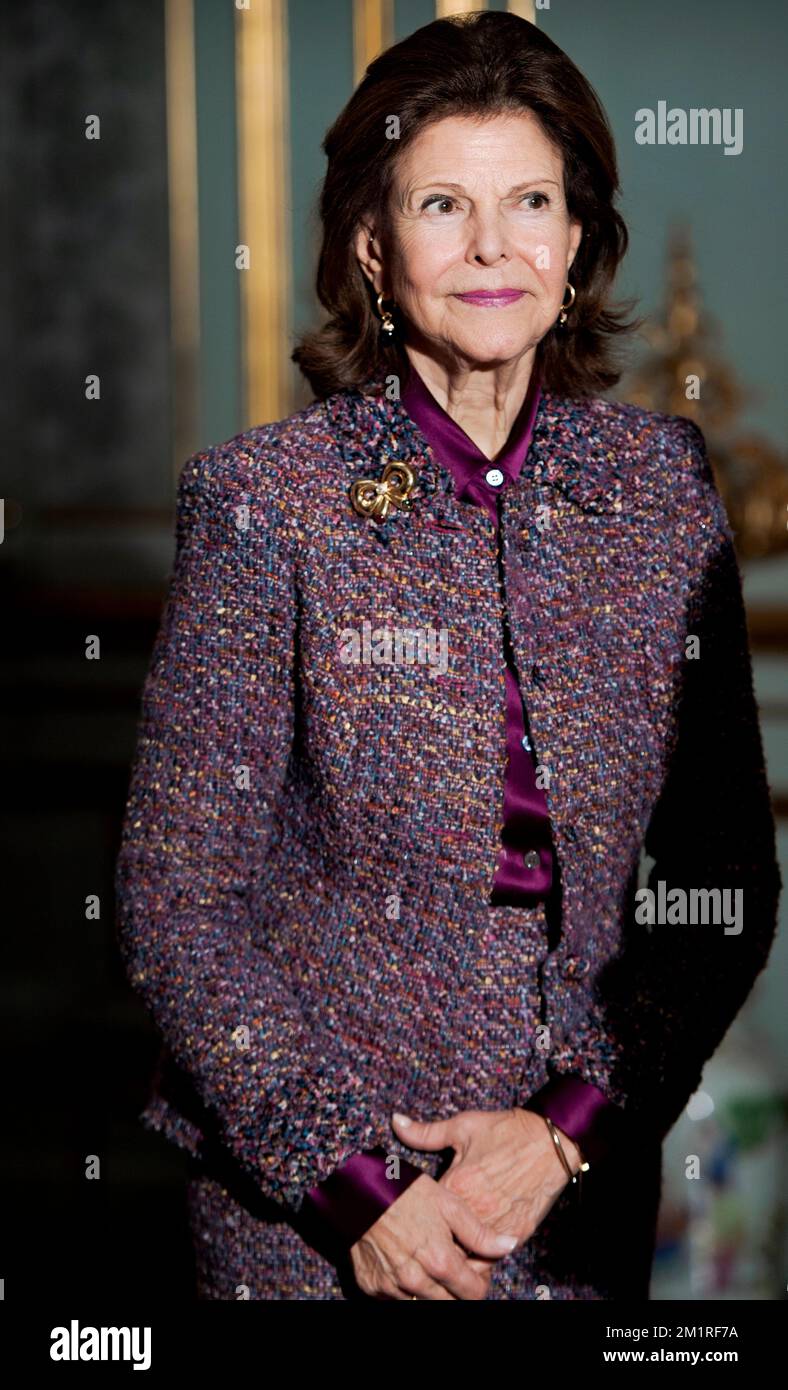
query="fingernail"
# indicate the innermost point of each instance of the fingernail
(402, 1119)
(506, 1244)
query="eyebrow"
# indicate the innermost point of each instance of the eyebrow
(459, 188)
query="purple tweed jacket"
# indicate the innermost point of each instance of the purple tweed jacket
(309, 844)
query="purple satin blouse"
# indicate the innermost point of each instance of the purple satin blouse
(524, 874)
(352, 1198)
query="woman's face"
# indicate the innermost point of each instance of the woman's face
(477, 206)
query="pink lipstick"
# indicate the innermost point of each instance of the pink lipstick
(491, 299)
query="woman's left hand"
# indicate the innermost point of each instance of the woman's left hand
(505, 1165)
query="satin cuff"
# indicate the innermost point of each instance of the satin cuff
(346, 1203)
(583, 1112)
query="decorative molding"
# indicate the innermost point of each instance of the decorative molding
(373, 30)
(526, 9)
(264, 209)
(444, 8)
(183, 228)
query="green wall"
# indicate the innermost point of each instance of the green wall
(709, 53)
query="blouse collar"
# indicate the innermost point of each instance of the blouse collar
(456, 450)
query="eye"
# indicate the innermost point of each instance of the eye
(436, 199)
(543, 197)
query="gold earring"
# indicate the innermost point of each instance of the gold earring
(387, 325)
(566, 307)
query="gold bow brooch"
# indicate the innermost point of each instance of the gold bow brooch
(378, 499)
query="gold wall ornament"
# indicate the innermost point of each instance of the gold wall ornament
(378, 498)
(686, 373)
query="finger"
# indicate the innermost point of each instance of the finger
(484, 1269)
(423, 1134)
(480, 1266)
(450, 1268)
(415, 1281)
(477, 1236)
(432, 1292)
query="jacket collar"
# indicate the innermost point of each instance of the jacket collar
(571, 448)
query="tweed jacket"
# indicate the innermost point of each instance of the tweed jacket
(309, 842)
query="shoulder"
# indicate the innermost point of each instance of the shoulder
(270, 469)
(264, 457)
(665, 455)
(640, 434)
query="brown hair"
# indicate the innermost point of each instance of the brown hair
(478, 64)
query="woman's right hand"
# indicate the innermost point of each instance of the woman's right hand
(411, 1249)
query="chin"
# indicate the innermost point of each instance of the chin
(493, 351)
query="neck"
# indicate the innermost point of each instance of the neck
(485, 402)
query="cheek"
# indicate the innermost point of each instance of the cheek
(424, 269)
(545, 249)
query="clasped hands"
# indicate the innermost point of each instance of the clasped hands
(440, 1239)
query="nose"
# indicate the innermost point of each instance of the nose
(488, 242)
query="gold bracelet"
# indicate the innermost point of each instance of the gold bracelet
(574, 1178)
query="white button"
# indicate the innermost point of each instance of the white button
(494, 477)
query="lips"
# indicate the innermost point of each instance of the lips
(491, 298)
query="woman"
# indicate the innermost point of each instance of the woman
(422, 691)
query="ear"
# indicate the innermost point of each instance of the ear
(370, 255)
(575, 237)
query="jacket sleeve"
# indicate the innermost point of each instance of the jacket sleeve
(584, 1113)
(342, 1207)
(656, 1013)
(214, 738)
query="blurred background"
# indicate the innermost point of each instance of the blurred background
(143, 142)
